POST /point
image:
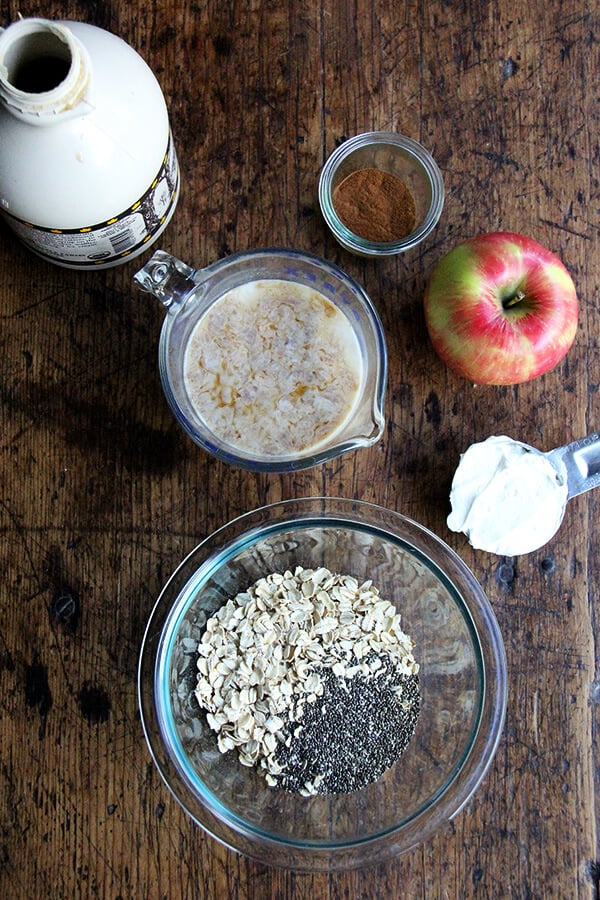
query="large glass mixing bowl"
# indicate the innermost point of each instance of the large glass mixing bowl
(462, 680)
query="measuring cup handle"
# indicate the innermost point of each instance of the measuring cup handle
(581, 460)
(169, 279)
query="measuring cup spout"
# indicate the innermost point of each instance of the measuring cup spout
(167, 278)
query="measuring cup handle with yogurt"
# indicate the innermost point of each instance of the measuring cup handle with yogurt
(580, 461)
(509, 498)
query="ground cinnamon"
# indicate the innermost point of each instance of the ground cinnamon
(375, 205)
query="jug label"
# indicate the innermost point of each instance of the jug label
(112, 240)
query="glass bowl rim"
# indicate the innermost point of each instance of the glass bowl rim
(451, 798)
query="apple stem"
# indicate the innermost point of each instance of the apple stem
(512, 301)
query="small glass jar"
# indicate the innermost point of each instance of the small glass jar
(400, 156)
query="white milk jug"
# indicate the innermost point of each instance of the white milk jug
(88, 173)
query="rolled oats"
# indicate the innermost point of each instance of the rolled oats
(262, 655)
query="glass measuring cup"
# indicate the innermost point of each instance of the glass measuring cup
(190, 294)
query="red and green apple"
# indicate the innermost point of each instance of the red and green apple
(501, 309)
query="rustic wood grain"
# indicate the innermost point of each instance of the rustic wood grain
(101, 495)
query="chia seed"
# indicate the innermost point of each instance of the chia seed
(350, 735)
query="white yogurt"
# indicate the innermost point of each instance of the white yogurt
(506, 497)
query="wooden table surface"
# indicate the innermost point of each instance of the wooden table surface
(101, 495)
